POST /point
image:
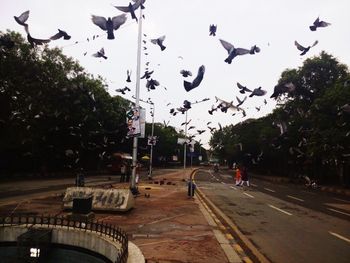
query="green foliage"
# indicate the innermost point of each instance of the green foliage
(54, 114)
(318, 130)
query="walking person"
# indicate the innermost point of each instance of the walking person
(244, 175)
(238, 177)
(122, 172)
(137, 176)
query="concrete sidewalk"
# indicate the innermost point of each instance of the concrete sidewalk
(167, 226)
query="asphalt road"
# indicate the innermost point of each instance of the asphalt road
(22, 189)
(287, 223)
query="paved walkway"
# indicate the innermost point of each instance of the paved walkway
(167, 226)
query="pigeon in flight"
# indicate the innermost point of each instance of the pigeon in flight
(147, 74)
(22, 18)
(128, 73)
(198, 79)
(258, 92)
(225, 105)
(109, 24)
(212, 129)
(212, 30)
(182, 110)
(100, 54)
(35, 41)
(159, 41)
(240, 102)
(187, 104)
(243, 89)
(200, 131)
(304, 49)
(317, 23)
(186, 73)
(232, 51)
(123, 90)
(151, 84)
(254, 49)
(60, 34)
(282, 88)
(131, 8)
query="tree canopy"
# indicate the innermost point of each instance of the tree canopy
(54, 114)
(309, 131)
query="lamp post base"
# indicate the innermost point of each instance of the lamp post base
(134, 190)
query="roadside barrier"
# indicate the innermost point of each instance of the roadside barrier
(111, 231)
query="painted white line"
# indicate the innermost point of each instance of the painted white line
(255, 185)
(278, 209)
(337, 211)
(270, 190)
(295, 198)
(308, 192)
(339, 236)
(233, 187)
(248, 195)
(342, 200)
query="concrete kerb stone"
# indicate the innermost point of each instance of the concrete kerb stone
(135, 254)
(247, 243)
(230, 253)
(89, 240)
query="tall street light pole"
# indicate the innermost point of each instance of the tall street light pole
(185, 143)
(137, 103)
(152, 134)
(151, 154)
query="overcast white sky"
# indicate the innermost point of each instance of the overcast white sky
(273, 25)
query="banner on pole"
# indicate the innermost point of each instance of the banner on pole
(142, 122)
(133, 122)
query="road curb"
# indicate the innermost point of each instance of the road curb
(247, 243)
(243, 239)
(230, 253)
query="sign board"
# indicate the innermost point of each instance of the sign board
(102, 199)
(152, 140)
(142, 122)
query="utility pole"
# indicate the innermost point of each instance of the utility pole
(151, 154)
(137, 103)
(185, 143)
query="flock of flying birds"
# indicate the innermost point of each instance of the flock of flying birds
(109, 25)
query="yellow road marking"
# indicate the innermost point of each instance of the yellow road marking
(238, 248)
(247, 260)
(229, 236)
